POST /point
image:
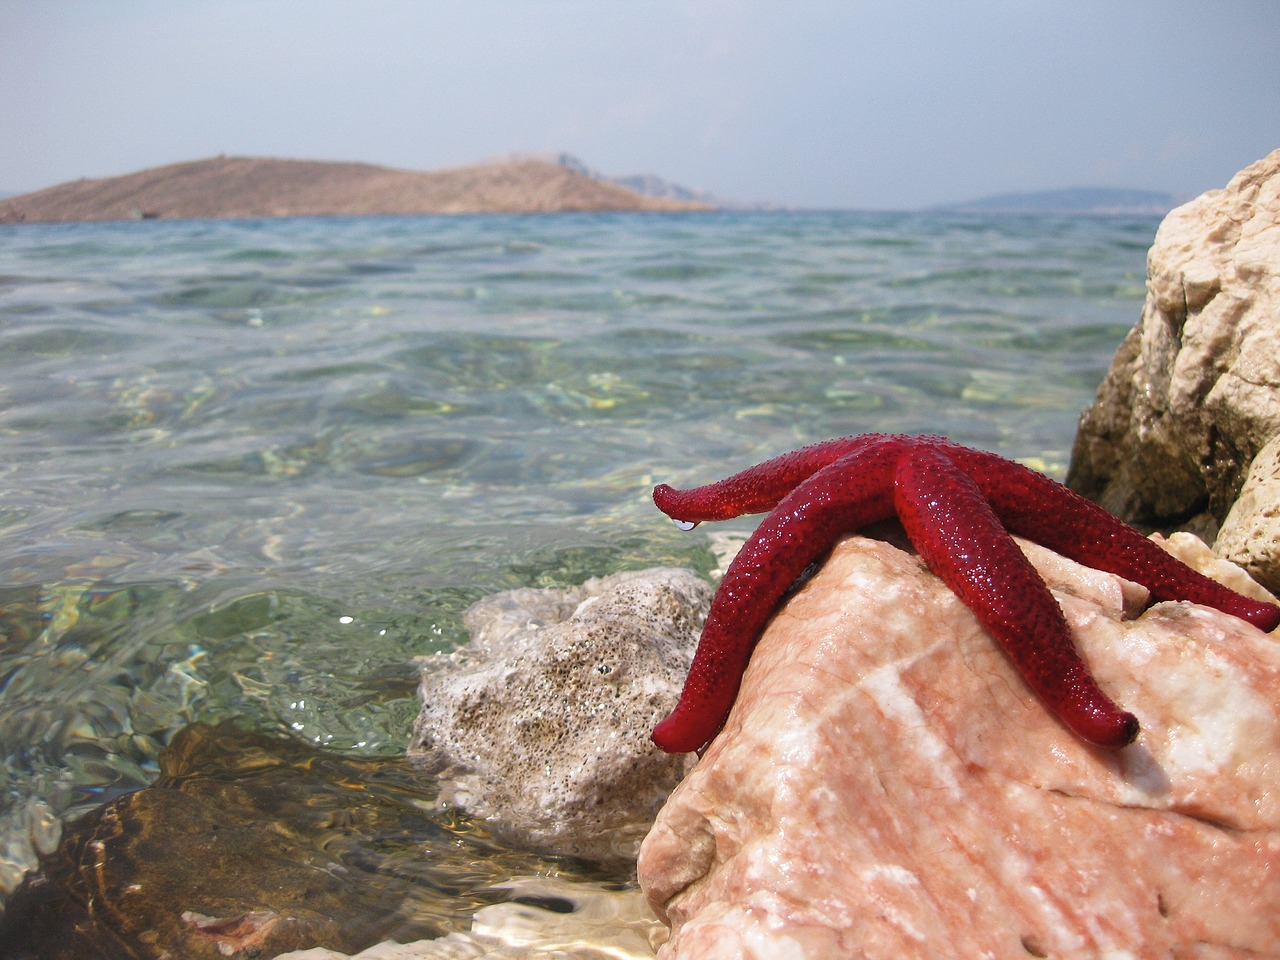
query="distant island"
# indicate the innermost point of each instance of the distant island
(256, 187)
(1094, 200)
(253, 187)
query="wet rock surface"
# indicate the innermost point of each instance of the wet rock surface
(541, 723)
(546, 919)
(250, 845)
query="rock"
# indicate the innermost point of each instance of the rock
(1250, 535)
(887, 787)
(250, 845)
(546, 919)
(541, 724)
(1193, 395)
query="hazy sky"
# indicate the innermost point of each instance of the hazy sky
(812, 103)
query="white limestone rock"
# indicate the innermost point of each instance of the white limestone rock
(1193, 395)
(1250, 535)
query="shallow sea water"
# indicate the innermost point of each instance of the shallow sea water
(252, 468)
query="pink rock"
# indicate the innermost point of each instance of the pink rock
(887, 787)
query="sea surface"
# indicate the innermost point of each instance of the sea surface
(253, 468)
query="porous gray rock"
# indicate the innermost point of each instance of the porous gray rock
(541, 723)
(1193, 395)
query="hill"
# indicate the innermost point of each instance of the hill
(262, 187)
(647, 184)
(1096, 200)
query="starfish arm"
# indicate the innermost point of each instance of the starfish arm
(950, 522)
(1040, 509)
(760, 488)
(802, 528)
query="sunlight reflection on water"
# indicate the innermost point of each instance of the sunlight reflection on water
(253, 468)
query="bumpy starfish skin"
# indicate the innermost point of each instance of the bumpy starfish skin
(958, 507)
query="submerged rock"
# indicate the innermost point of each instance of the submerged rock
(887, 787)
(1189, 412)
(541, 724)
(546, 919)
(249, 845)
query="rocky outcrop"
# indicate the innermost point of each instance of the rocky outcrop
(1182, 433)
(887, 787)
(540, 725)
(269, 187)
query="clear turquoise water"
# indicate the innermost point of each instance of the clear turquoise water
(252, 468)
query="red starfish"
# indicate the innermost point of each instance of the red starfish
(958, 507)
